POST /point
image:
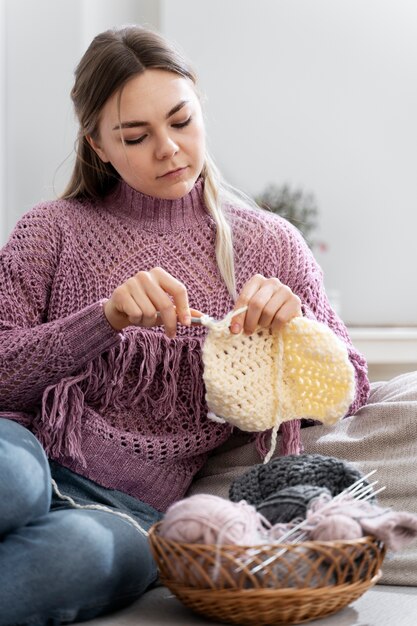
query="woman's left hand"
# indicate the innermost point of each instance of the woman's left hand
(270, 303)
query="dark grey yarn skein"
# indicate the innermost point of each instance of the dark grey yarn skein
(290, 503)
(264, 480)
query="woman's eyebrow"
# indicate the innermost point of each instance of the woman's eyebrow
(136, 123)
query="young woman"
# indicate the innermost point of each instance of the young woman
(101, 371)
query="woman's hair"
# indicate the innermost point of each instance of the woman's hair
(112, 59)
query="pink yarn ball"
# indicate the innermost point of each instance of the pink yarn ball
(336, 527)
(209, 519)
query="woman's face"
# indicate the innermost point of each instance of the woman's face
(155, 137)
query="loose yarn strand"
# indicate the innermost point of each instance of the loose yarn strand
(280, 384)
(98, 507)
(221, 325)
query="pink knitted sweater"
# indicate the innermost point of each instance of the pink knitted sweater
(127, 409)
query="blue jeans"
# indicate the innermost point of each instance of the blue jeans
(60, 564)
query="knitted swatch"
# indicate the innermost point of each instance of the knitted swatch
(256, 382)
(262, 481)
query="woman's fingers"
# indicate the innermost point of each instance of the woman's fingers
(286, 312)
(195, 313)
(270, 303)
(155, 297)
(257, 308)
(248, 291)
(171, 309)
(281, 308)
(148, 299)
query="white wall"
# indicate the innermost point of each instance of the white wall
(322, 95)
(45, 40)
(101, 14)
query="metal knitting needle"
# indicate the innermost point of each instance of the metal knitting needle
(351, 490)
(368, 489)
(358, 484)
(356, 489)
(360, 497)
(296, 540)
(196, 320)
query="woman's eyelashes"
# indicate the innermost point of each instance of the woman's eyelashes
(182, 124)
(131, 142)
(137, 140)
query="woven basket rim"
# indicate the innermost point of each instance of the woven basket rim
(311, 543)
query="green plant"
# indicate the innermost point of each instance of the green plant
(297, 207)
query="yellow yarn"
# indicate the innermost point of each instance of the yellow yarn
(257, 382)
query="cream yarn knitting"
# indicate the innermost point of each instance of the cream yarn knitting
(257, 382)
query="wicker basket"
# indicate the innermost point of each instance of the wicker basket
(279, 584)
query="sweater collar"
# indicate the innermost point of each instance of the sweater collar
(156, 214)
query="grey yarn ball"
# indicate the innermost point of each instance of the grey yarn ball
(290, 503)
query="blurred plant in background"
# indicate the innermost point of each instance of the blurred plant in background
(297, 207)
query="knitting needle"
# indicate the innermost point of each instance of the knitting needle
(353, 489)
(360, 496)
(357, 484)
(196, 320)
(300, 537)
(196, 316)
(367, 489)
(357, 489)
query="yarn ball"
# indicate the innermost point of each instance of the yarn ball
(261, 481)
(209, 519)
(289, 503)
(336, 527)
(258, 381)
(299, 568)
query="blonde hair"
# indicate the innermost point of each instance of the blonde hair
(224, 242)
(114, 57)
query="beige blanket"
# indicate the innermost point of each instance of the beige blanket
(382, 436)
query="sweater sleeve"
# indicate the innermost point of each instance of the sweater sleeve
(36, 352)
(289, 258)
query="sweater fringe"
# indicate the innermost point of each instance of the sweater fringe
(290, 439)
(101, 384)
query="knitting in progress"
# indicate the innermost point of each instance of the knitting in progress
(127, 410)
(256, 382)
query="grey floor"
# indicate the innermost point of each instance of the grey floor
(381, 606)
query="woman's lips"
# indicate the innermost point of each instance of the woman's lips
(174, 173)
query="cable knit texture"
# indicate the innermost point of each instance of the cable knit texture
(263, 481)
(128, 409)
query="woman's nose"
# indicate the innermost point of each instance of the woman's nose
(166, 147)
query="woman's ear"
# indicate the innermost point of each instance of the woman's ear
(99, 151)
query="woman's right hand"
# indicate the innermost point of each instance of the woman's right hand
(149, 299)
